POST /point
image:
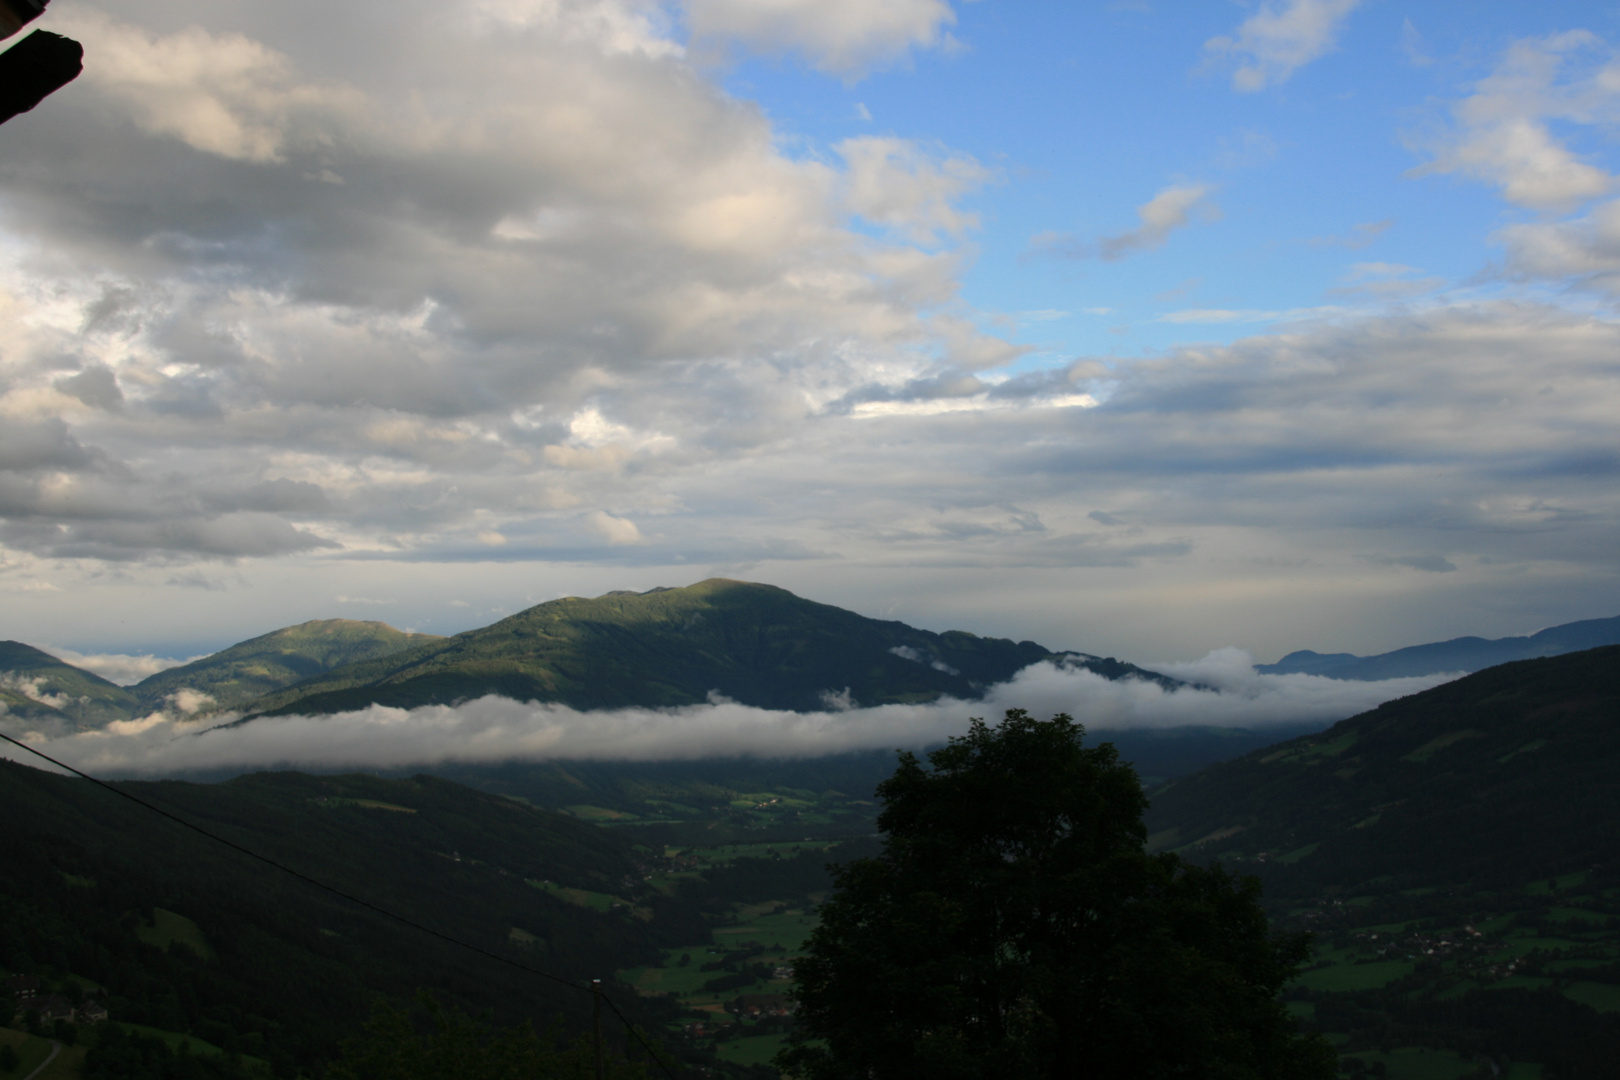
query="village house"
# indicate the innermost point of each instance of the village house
(23, 986)
(760, 1005)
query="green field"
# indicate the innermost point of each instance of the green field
(31, 1049)
(1356, 976)
(170, 928)
(751, 1049)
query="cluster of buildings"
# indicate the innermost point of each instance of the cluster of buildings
(25, 990)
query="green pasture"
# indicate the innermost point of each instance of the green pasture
(1568, 881)
(170, 927)
(1601, 996)
(172, 1039)
(751, 1049)
(31, 1049)
(1356, 976)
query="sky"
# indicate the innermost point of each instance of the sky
(1143, 329)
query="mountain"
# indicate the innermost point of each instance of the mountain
(755, 644)
(1506, 771)
(1456, 854)
(36, 686)
(1458, 654)
(261, 665)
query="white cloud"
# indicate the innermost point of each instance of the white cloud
(615, 530)
(1500, 133)
(494, 729)
(119, 668)
(843, 37)
(1279, 39)
(1585, 249)
(1173, 208)
(195, 315)
(222, 94)
(891, 182)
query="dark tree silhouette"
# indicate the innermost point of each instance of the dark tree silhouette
(1015, 926)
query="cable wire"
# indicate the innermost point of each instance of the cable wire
(335, 891)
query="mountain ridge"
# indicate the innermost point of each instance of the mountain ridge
(752, 643)
(1465, 654)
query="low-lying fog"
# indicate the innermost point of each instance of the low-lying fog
(1230, 694)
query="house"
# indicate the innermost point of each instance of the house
(760, 1005)
(23, 986)
(92, 1012)
(52, 1007)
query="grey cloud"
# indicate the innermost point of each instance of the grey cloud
(96, 386)
(278, 496)
(229, 536)
(27, 446)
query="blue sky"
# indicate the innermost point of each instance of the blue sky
(1144, 329)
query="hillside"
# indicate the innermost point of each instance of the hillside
(1507, 771)
(1457, 854)
(37, 686)
(1459, 654)
(192, 937)
(755, 644)
(262, 665)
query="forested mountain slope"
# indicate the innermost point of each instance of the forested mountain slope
(35, 685)
(1509, 771)
(755, 644)
(261, 665)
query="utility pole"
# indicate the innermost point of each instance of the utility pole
(596, 1023)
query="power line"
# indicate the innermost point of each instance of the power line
(335, 891)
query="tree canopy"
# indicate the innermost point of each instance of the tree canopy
(1015, 926)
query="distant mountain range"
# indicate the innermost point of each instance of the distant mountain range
(755, 644)
(1465, 654)
(38, 686)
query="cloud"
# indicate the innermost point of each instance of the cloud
(1384, 280)
(222, 94)
(1358, 237)
(841, 37)
(1500, 133)
(495, 729)
(215, 350)
(120, 668)
(1174, 208)
(891, 182)
(1279, 39)
(615, 530)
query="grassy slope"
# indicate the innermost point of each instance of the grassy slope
(38, 684)
(753, 643)
(1454, 853)
(92, 879)
(279, 659)
(1506, 772)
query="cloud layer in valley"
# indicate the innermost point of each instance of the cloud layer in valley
(492, 729)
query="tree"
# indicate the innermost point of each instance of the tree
(1014, 925)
